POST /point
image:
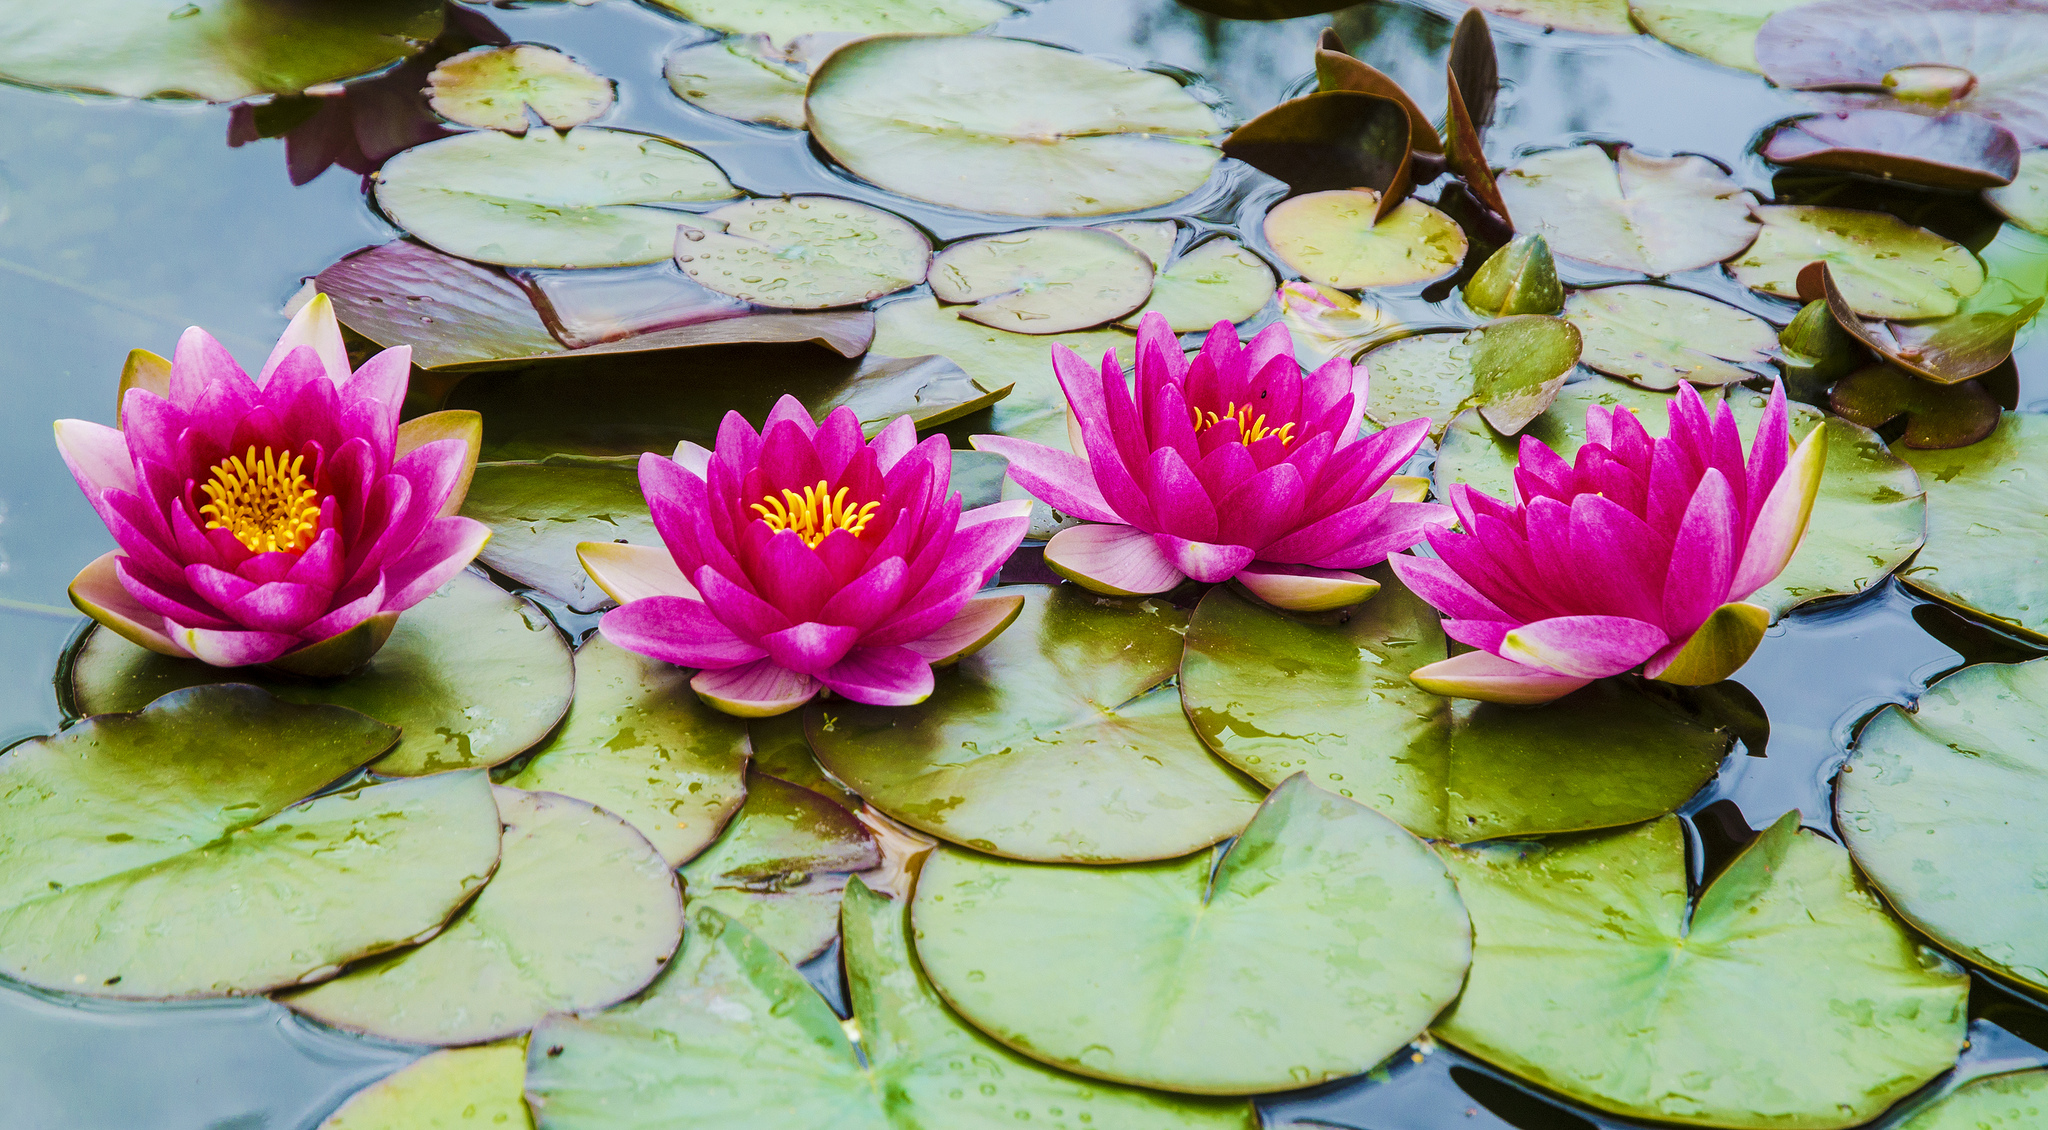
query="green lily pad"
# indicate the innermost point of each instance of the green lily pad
(1217, 280)
(1601, 17)
(225, 51)
(1937, 416)
(1510, 370)
(2025, 200)
(1277, 694)
(1156, 238)
(538, 510)
(782, 751)
(1656, 215)
(494, 87)
(638, 743)
(1938, 805)
(2013, 1101)
(803, 252)
(480, 1088)
(735, 1038)
(1061, 741)
(160, 854)
(783, 20)
(585, 198)
(582, 913)
(1886, 267)
(1974, 340)
(1331, 238)
(781, 866)
(472, 676)
(1324, 940)
(1657, 336)
(1987, 524)
(1043, 280)
(743, 77)
(1009, 127)
(1723, 31)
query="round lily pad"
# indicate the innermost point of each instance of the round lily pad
(585, 198)
(1723, 31)
(2013, 1101)
(160, 854)
(1601, 17)
(1887, 268)
(1330, 238)
(638, 743)
(1328, 695)
(1961, 151)
(494, 87)
(1009, 127)
(784, 20)
(1153, 237)
(781, 865)
(1336, 929)
(223, 51)
(1043, 280)
(582, 913)
(479, 1088)
(539, 510)
(1218, 280)
(743, 77)
(1987, 525)
(1656, 215)
(1061, 741)
(1510, 370)
(803, 252)
(734, 1037)
(1939, 805)
(2025, 200)
(1786, 996)
(472, 676)
(1657, 336)
(1937, 416)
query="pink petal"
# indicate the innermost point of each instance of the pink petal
(98, 592)
(232, 648)
(201, 364)
(755, 690)
(97, 456)
(1299, 588)
(678, 630)
(1489, 678)
(891, 444)
(1781, 520)
(349, 614)
(791, 410)
(1402, 525)
(1117, 560)
(881, 676)
(628, 573)
(445, 549)
(810, 647)
(1057, 478)
(1442, 589)
(1588, 647)
(1207, 562)
(1702, 556)
(978, 622)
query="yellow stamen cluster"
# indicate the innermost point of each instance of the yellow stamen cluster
(264, 501)
(814, 513)
(1250, 428)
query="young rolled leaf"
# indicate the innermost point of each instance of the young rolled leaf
(1520, 278)
(1944, 350)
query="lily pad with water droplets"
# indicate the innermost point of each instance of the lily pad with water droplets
(2025, 200)
(637, 743)
(591, 197)
(1217, 280)
(1328, 695)
(1632, 212)
(1510, 370)
(1940, 807)
(472, 676)
(1656, 336)
(494, 87)
(161, 854)
(2013, 1101)
(802, 252)
(582, 913)
(743, 77)
(1937, 416)
(1324, 940)
(1787, 995)
(1009, 127)
(784, 20)
(1601, 17)
(539, 510)
(1974, 340)
(735, 1038)
(1987, 525)
(480, 1088)
(1043, 280)
(1331, 238)
(1061, 741)
(1886, 267)
(1723, 31)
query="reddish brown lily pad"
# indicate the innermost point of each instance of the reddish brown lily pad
(1949, 151)
(1338, 70)
(1937, 416)
(1472, 76)
(1332, 139)
(1944, 350)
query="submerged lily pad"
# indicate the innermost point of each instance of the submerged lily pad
(223, 51)
(784, 20)
(1786, 996)
(585, 198)
(1510, 370)
(1333, 238)
(1657, 336)
(1886, 267)
(1987, 525)
(1937, 416)
(1723, 31)
(1217, 280)
(781, 865)
(494, 87)
(538, 511)
(2025, 200)
(639, 744)
(1656, 215)
(1278, 694)
(1939, 805)
(735, 1038)
(1951, 151)
(1009, 127)
(1601, 17)
(472, 675)
(1324, 920)
(744, 77)
(2013, 1101)
(1043, 280)
(451, 1089)
(582, 913)
(1061, 741)
(154, 855)
(803, 252)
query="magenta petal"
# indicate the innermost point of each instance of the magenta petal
(1059, 479)
(1489, 678)
(746, 614)
(98, 592)
(678, 630)
(1207, 562)
(347, 615)
(1702, 556)
(1587, 647)
(978, 621)
(810, 647)
(232, 648)
(881, 676)
(97, 456)
(1440, 586)
(445, 549)
(1402, 525)
(760, 689)
(1117, 560)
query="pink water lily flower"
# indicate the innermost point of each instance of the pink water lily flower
(1232, 465)
(1639, 552)
(284, 520)
(802, 558)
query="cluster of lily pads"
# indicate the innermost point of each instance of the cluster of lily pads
(599, 890)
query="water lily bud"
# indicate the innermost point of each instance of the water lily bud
(1520, 278)
(1931, 84)
(1817, 349)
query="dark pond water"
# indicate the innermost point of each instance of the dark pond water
(122, 223)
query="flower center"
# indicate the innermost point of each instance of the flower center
(1250, 428)
(815, 513)
(266, 503)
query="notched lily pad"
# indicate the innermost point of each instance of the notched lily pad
(494, 87)
(1960, 151)
(1510, 370)
(1216, 280)
(745, 77)
(802, 252)
(1360, 939)
(539, 510)
(1334, 238)
(1987, 524)
(452, 1088)
(472, 675)
(1723, 31)
(1998, 1102)
(1043, 280)
(1656, 336)
(1886, 267)
(1632, 212)
(784, 20)
(1938, 417)
(1061, 741)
